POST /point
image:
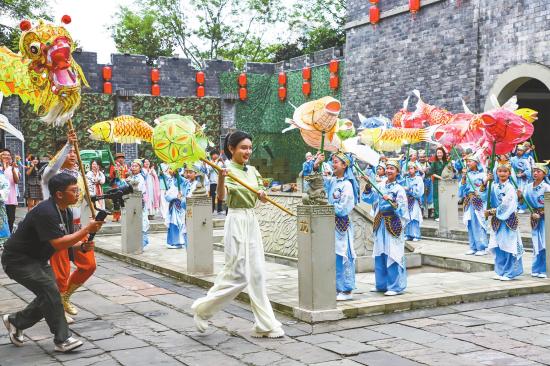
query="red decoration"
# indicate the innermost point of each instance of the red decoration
(200, 77)
(65, 19)
(333, 81)
(107, 87)
(306, 73)
(200, 91)
(243, 94)
(155, 75)
(155, 90)
(374, 2)
(414, 6)
(282, 93)
(333, 66)
(107, 73)
(306, 88)
(25, 25)
(374, 15)
(282, 78)
(242, 80)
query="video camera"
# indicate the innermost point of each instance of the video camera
(116, 195)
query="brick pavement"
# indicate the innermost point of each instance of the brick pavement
(129, 316)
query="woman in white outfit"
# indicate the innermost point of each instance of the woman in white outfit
(244, 251)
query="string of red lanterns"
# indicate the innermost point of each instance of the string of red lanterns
(155, 78)
(200, 78)
(334, 80)
(414, 6)
(374, 12)
(282, 86)
(243, 92)
(107, 73)
(306, 84)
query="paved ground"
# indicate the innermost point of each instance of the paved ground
(130, 316)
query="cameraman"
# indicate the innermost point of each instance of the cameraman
(46, 229)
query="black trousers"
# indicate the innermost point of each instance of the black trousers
(10, 212)
(217, 207)
(39, 279)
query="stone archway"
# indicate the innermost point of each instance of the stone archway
(531, 84)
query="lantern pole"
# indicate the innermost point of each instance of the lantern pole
(491, 167)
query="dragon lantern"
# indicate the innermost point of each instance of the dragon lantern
(44, 72)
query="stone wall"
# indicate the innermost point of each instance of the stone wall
(447, 51)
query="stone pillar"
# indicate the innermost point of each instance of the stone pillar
(132, 224)
(547, 228)
(448, 206)
(316, 258)
(200, 249)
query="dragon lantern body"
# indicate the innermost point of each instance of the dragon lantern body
(44, 72)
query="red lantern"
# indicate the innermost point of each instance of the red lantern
(374, 2)
(200, 77)
(243, 94)
(333, 66)
(155, 90)
(107, 73)
(282, 93)
(107, 87)
(306, 88)
(414, 6)
(242, 80)
(333, 81)
(374, 15)
(66, 19)
(200, 91)
(306, 73)
(25, 25)
(282, 78)
(155, 75)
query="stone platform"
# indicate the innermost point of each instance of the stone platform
(456, 279)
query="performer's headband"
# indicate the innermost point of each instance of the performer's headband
(343, 158)
(543, 167)
(396, 163)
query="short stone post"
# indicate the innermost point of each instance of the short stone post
(316, 258)
(132, 224)
(448, 206)
(200, 249)
(547, 229)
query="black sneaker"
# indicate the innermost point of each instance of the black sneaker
(70, 344)
(16, 335)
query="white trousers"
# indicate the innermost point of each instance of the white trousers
(244, 266)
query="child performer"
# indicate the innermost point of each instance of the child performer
(389, 241)
(175, 219)
(427, 197)
(504, 237)
(533, 193)
(469, 190)
(522, 167)
(343, 193)
(414, 188)
(136, 180)
(244, 255)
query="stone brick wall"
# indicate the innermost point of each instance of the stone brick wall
(447, 52)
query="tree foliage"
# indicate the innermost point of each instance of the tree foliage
(15, 10)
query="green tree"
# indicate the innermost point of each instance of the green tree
(18, 10)
(140, 33)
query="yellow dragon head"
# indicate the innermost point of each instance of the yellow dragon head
(44, 73)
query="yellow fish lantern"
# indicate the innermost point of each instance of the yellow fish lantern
(121, 129)
(528, 114)
(178, 140)
(394, 138)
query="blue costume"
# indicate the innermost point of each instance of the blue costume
(427, 198)
(389, 240)
(176, 195)
(414, 188)
(535, 197)
(521, 164)
(505, 237)
(474, 204)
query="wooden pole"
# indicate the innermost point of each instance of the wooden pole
(82, 172)
(247, 186)
(491, 167)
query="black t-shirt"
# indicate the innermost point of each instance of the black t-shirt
(31, 241)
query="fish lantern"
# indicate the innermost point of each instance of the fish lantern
(282, 78)
(333, 81)
(200, 77)
(306, 73)
(178, 140)
(122, 129)
(155, 90)
(200, 91)
(282, 93)
(243, 94)
(155, 75)
(333, 66)
(414, 6)
(242, 80)
(306, 88)
(374, 15)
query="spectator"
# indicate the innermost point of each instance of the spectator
(12, 174)
(95, 178)
(33, 189)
